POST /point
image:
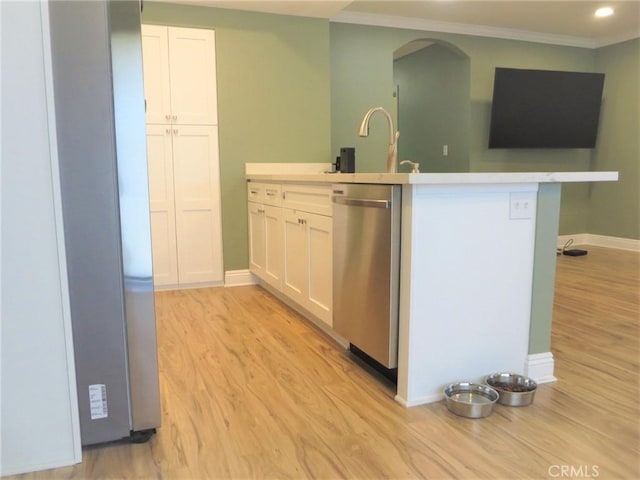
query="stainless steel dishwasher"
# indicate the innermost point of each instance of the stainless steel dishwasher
(366, 268)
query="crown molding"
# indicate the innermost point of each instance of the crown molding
(623, 37)
(462, 29)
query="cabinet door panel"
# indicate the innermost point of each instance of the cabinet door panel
(294, 278)
(256, 239)
(161, 203)
(192, 63)
(163, 238)
(197, 198)
(320, 251)
(155, 48)
(196, 253)
(273, 245)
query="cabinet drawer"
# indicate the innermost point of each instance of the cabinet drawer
(255, 192)
(267, 193)
(308, 198)
(273, 194)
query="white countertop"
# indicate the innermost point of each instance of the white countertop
(436, 178)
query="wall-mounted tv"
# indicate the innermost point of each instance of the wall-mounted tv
(545, 109)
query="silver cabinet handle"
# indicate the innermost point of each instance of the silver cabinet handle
(361, 202)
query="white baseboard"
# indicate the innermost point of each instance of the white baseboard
(232, 278)
(578, 239)
(239, 278)
(436, 397)
(539, 367)
(600, 241)
(185, 286)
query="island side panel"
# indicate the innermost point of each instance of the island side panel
(540, 363)
(405, 307)
(466, 299)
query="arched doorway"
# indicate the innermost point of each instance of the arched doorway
(432, 99)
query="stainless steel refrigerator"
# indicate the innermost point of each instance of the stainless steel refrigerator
(99, 108)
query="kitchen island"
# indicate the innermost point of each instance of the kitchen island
(477, 270)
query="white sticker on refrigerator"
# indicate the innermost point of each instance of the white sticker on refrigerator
(98, 401)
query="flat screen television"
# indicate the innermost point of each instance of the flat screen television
(545, 109)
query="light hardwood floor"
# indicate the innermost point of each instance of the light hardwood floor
(249, 390)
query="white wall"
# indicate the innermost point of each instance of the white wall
(38, 403)
(466, 285)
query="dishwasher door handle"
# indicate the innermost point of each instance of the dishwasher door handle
(362, 202)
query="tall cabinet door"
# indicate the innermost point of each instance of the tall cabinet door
(161, 201)
(320, 248)
(294, 275)
(273, 245)
(197, 201)
(192, 67)
(155, 45)
(256, 239)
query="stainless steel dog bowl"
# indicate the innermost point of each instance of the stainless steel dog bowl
(470, 400)
(514, 390)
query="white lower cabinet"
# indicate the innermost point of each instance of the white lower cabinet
(273, 245)
(307, 272)
(320, 266)
(295, 247)
(257, 240)
(265, 242)
(291, 249)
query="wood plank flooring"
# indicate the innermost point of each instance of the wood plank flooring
(249, 390)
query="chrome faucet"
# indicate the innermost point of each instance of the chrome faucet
(392, 154)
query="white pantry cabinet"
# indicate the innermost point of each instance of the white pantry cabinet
(180, 75)
(162, 205)
(197, 199)
(265, 232)
(183, 155)
(184, 190)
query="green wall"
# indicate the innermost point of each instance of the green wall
(433, 108)
(294, 89)
(362, 76)
(544, 267)
(614, 208)
(273, 98)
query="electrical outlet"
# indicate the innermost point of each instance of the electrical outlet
(445, 150)
(521, 205)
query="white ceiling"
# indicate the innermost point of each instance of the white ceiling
(563, 22)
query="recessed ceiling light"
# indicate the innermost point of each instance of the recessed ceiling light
(604, 12)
